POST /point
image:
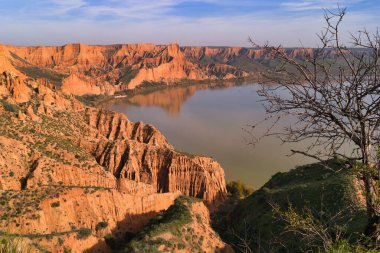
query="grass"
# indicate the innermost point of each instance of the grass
(310, 185)
(173, 221)
(12, 245)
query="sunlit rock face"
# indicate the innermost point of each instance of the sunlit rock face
(82, 69)
(71, 174)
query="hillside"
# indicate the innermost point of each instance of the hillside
(71, 174)
(184, 227)
(323, 191)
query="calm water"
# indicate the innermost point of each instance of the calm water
(209, 119)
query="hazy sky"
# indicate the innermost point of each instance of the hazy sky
(188, 22)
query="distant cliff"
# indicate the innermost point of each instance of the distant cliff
(81, 69)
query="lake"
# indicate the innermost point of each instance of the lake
(212, 119)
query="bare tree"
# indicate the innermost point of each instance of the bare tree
(333, 93)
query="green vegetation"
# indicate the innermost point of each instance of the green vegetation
(239, 189)
(323, 191)
(101, 225)
(83, 233)
(346, 247)
(93, 100)
(38, 72)
(173, 221)
(127, 74)
(9, 107)
(12, 245)
(23, 203)
(55, 204)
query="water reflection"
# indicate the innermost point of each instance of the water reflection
(172, 98)
(208, 119)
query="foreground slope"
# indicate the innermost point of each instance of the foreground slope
(323, 191)
(70, 174)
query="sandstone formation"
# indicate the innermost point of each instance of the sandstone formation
(185, 227)
(81, 69)
(71, 174)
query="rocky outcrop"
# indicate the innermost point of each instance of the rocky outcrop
(185, 227)
(82, 85)
(70, 174)
(139, 152)
(13, 86)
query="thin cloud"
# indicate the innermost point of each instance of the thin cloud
(139, 21)
(317, 4)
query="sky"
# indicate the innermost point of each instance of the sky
(290, 23)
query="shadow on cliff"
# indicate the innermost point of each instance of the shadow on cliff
(122, 233)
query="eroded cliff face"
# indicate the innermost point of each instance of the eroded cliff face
(81, 69)
(70, 174)
(139, 152)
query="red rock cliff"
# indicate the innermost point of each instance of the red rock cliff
(71, 174)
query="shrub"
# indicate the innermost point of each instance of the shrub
(101, 225)
(83, 233)
(110, 240)
(11, 174)
(9, 107)
(181, 245)
(346, 247)
(239, 189)
(55, 204)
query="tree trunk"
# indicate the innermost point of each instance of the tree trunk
(373, 211)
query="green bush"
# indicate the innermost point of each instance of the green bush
(101, 225)
(345, 247)
(9, 107)
(110, 240)
(55, 204)
(239, 189)
(83, 233)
